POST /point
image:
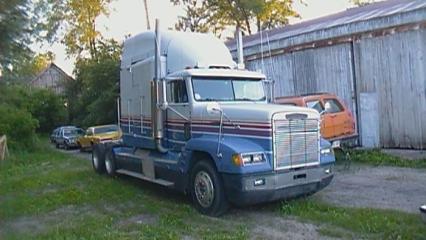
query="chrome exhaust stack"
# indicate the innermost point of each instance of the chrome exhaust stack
(156, 105)
(240, 56)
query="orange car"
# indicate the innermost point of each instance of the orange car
(337, 121)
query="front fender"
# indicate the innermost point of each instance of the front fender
(230, 146)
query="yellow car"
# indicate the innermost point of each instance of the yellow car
(98, 134)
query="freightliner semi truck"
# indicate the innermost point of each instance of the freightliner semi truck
(195, 121)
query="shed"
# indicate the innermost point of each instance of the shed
(373, 57)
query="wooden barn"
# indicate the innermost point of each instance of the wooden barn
(52, 77)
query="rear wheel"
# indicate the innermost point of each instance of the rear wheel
(110, 162)
(207, 190)
(98, 158)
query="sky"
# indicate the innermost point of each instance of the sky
(128, 17)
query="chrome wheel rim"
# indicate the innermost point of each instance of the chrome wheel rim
(204, 189)
(95, 160)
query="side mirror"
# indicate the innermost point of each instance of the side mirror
(213, 108)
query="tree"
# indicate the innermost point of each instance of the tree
(15, 32)
(216, 15)
(361, 3)
(77, 19)
(28, 68)
(92, 97)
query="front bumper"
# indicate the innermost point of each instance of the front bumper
(271, 186)
(71, 143)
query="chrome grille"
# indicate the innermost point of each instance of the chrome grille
(296, 143)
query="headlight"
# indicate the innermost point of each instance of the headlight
(326, 151)
(248, 158)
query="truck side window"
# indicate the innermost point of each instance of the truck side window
(176, 92)
(332, 106)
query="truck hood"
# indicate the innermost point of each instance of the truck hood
(261, 112)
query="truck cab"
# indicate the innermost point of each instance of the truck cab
(192, 121)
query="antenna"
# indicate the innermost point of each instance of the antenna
(145, 3)
(261, 51)
(273, 69)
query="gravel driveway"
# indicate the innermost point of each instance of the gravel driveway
(396, 188)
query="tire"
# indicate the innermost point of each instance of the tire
(57, 145)
(207, 191)
(110, 166)
(81, 148)
(98, 158)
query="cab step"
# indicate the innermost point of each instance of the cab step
(143, 177)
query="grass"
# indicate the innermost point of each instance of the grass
(364, 222)
(47, 194)
(377, 158)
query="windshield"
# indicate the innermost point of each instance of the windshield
(73, 131)
(227, 89)
(106, 129)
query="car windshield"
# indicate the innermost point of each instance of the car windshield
(106, 129)
(227, 89)
(72, 131)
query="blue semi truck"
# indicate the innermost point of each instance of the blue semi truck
(195, 121)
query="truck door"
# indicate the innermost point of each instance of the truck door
(177, 125)
(334, 111)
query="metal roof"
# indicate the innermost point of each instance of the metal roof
(349, 17)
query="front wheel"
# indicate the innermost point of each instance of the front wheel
(98, 158)
(207, 190)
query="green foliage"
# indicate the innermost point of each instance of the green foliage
(48, 108)
(18, 125)
(24, 111)
(15, 34)
(20, 25)
(92, 97)
(366, 222)
(25, 70)
(361, 3)
(77, 19)
(216, 15)
(376, 157)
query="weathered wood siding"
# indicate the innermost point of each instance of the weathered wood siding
(327, 69)
(394, 67)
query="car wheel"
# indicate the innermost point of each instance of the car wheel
(57, 145)
(207, 190)
(80, 147)
(110, 162)
(98, 158)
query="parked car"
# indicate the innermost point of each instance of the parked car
(337, 121)
(66, 137)
(56, 133)
(53, 135)
(98, 134)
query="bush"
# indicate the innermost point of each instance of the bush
(48, 108)
(19, 126)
